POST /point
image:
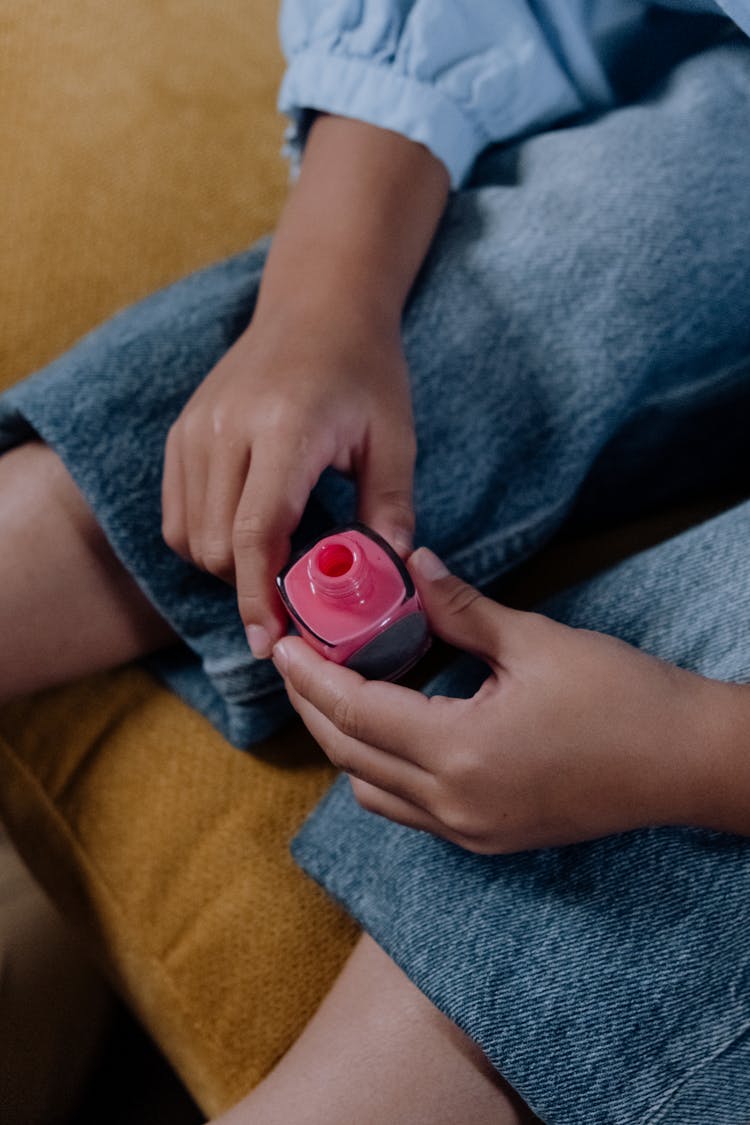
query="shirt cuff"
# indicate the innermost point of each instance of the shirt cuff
(378, 95)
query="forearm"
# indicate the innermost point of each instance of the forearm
(357, 225)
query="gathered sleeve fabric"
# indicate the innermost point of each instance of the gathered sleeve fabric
(454, 75)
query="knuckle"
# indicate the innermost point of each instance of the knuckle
(271, 410)
(344, 716)
(174, 536)
(218, 558)
(194, 553)
(364, 794)
(251, 606)
(458, 768)
(249, 531)
(283, 416)
(455, 809)
(173, 437)
(175, 430)
(172, 458)
(294, 434)
(460, 597)
(223, 419)
(458, 816)
(304, 684)
(341, 760)
(400, 503)
(477, 838)
(478, 845)
(189, 422)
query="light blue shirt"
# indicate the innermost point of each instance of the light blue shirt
(459, 75)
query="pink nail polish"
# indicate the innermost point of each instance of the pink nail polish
(354, 601)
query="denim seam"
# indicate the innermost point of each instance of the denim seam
(248, 695)
(698, 386)
(256, 682)
(513, 537)
(226, 665)
(657, 1113)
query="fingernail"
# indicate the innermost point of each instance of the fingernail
(280, 657)
(428, 564)
(259, 641)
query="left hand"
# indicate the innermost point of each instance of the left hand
(574, 735)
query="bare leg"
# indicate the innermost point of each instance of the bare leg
(377, 1052)
(67, 606)
(54, 1005)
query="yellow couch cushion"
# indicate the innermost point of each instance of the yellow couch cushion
(141, 141)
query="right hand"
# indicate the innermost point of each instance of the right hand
(293, 396)
(572, 736)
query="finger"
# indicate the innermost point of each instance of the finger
(190, 461)
(276, 490)
(392, 717)
(385, 481)
(460, 614)
(360, 760)
(195, 467)
(173, 517)
(395, 808)
(230, 461)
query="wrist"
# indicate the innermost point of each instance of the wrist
(678, 747)
(721, 789)
(324, 317)
(320, 288)
(357, 225)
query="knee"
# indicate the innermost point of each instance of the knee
(33, 479)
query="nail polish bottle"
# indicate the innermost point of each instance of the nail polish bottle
(353, 600)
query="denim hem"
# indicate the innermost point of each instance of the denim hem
(604, 981)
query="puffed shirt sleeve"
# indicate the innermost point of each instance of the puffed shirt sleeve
(454, 75)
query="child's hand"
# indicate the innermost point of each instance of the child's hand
(574, 735)
(319, 378)
(283, 404)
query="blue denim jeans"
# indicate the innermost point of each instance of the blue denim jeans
(584, 306)
(607, 981)
(579, 346)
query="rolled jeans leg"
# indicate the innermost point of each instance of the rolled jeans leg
(590, 281)
(583, 321)
(608, 980)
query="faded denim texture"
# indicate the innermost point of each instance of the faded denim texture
(607, 981)
(584, 307)
(579, 342)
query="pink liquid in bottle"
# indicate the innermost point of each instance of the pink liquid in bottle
(353, 600)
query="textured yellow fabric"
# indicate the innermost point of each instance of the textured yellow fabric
(141, 141)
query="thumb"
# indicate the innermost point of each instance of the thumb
(458, 613)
